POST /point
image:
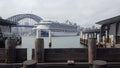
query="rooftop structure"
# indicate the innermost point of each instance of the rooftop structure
(109, 21)
(92, 31)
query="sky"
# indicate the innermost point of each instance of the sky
(83, 12)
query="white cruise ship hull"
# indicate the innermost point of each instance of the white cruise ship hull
(59, 34)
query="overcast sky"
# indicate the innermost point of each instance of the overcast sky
(83, 12)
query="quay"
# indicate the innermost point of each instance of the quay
(90, 57)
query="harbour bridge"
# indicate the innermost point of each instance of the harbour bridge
(20, 18)
(24, 22)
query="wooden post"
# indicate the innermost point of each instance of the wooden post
(50, 39)
(10, 52)
(39, 50)
(91, 49)
(99, 64)
(29, 64)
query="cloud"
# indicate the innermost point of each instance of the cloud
(83, 12)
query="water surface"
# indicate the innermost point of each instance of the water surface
(57, 42)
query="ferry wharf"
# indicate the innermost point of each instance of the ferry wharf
(90, 57)
(108, 36)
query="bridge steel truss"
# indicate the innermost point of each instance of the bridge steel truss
(16, 18)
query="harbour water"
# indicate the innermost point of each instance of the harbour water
(57, 42)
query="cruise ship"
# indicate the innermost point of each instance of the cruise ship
(57, 28)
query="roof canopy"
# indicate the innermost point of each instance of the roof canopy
(4, 22)
(92, 31)
(110, 20)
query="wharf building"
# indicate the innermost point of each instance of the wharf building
(108, 35)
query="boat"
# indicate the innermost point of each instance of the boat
(57, 29)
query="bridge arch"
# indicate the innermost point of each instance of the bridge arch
(17, 18)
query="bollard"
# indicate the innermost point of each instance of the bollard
(10, 52)
(50, 44)
(39, 50)
(29, 64)
(91, 49)
(99, 64)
